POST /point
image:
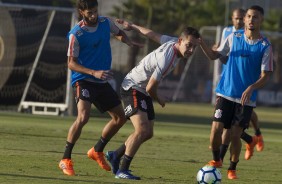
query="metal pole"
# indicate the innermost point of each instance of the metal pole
(69, 92)
(226, 12)
(37, 58)
(217, 66)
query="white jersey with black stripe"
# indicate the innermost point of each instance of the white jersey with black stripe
(157, 64)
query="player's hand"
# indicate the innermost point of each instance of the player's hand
(135, 44)
(126, 25)
(200, 41)
(103, 74)
(215, 46)
(162, 100)
(246, 95)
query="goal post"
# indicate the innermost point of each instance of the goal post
(43, 85)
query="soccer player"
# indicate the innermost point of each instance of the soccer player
(140, 87)
(257, 140)
(89, 58)
(248, 68)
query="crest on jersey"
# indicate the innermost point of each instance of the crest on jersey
(85, 93)
(79, 33)
(128, 110)
(102, 19)
(237, 34)
(264, 42)
(218, 113)
(143, 104)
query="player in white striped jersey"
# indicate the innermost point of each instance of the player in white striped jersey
(140, 88)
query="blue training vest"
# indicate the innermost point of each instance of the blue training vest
(228, 32)
(243, 67)
(95, 50)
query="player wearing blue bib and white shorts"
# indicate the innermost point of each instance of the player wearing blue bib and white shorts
(249, 65)
(139, 88)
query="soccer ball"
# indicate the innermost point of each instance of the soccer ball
(209, 175)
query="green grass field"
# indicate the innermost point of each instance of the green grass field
(31, 147)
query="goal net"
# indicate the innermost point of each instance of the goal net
(33, 62)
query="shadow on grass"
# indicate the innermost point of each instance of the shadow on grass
(53, 178)
(170, 118)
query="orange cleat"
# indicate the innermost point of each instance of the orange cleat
(260, 144)
(99, 158)
(217, 164)
(250, 148)
(231, 174)
(67, 166)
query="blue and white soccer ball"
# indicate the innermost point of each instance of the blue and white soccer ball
(209, 175)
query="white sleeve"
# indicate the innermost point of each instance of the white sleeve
(166, 38)
(73, 48)
(159, 70)
(113, 27)
(225, 47)
(267, 60)
(222, 35)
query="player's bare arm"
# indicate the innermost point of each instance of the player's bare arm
(210, 53)
(152, 88)
(121, 36)
(100, 74)
(142, 30)
(265, 75)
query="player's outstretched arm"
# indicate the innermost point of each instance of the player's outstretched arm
(210, 53)
(125, 39)
(142, 30)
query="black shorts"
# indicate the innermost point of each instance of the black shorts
(134, 100)
(229, 112)
(102, 95)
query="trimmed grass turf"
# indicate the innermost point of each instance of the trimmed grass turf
(31, 147)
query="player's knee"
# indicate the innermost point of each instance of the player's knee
(119, 120)
(82, 120)
(149, 135)
(145, 134)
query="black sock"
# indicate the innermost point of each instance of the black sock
(258, 132)
(216, 156)
(99, 147)
(68, 150)
(125, 163)
(120, 151)
(246, 137)
(223, 150)
(233, 165)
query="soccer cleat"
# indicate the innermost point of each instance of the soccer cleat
(99, 158)
(67, 166)
(231, 174)
(260, 144)
(217, 164)
(126, 175)
(114, 161)
(250, 148)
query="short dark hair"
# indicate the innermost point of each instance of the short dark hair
(190, 31)
(257, 8)
(240, 10)
(86, 4)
